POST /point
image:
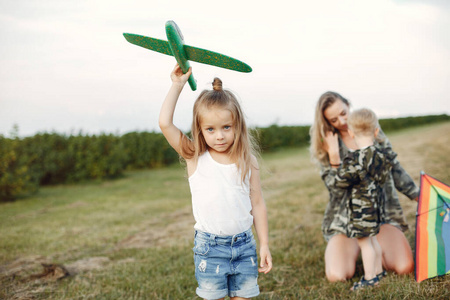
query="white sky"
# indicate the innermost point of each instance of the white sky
(65, 66)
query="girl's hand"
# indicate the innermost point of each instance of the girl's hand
(266, 260)
(178, 77)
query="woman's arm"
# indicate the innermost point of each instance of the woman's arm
(170, 131)
(402, 181)
(259, 212)
(341, 176)
(339, 179)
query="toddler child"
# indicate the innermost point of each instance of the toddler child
(364, 172)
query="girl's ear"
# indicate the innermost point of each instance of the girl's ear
(377, 131)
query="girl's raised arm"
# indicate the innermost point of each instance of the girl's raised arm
(170, 131)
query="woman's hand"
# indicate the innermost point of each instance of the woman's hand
(178, 77)
(331, 145)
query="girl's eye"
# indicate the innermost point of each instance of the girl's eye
(227, 127)
(209, 129)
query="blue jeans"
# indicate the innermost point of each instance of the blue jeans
(226, 265)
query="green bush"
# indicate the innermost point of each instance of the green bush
(95, 157)
(275, 137)
(52, 158)
(400, 123)
(47, 158)
(147, 150)
(14, 177)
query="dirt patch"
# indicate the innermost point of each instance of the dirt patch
(77, 204)
(39, 267)
(22, 266)
(29, 277)
(168, 230)
(88, 264)
(51, 272)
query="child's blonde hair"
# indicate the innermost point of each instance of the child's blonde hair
(244, 145)
(321, 126)
(363, 122)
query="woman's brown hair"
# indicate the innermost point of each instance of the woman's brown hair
(321, 126)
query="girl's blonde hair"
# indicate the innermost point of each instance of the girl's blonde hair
(321, 126)
(244, 144)
(363, 122)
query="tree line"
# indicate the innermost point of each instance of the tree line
(52, 158)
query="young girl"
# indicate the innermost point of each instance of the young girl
(226, 191)
(364, 172)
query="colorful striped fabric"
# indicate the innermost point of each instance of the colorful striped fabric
(432, 229)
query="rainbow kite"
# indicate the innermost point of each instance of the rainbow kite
(432, 229)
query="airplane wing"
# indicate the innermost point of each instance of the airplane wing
(149, 43)
(216, 59)
(192, 53)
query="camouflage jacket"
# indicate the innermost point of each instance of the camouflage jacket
(336, 214)
(364, 171)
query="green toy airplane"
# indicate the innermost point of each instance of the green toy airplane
(175, 46)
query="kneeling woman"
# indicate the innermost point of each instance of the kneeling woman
(330, 143)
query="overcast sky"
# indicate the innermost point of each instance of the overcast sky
(65, 65)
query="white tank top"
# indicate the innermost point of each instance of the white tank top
(220, 201)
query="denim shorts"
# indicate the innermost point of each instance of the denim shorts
(226, 265)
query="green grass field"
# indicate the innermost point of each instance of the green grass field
(131, 238)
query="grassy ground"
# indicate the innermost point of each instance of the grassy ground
(131, 238)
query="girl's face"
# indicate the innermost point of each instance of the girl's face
(217, 128)
(337, 114)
